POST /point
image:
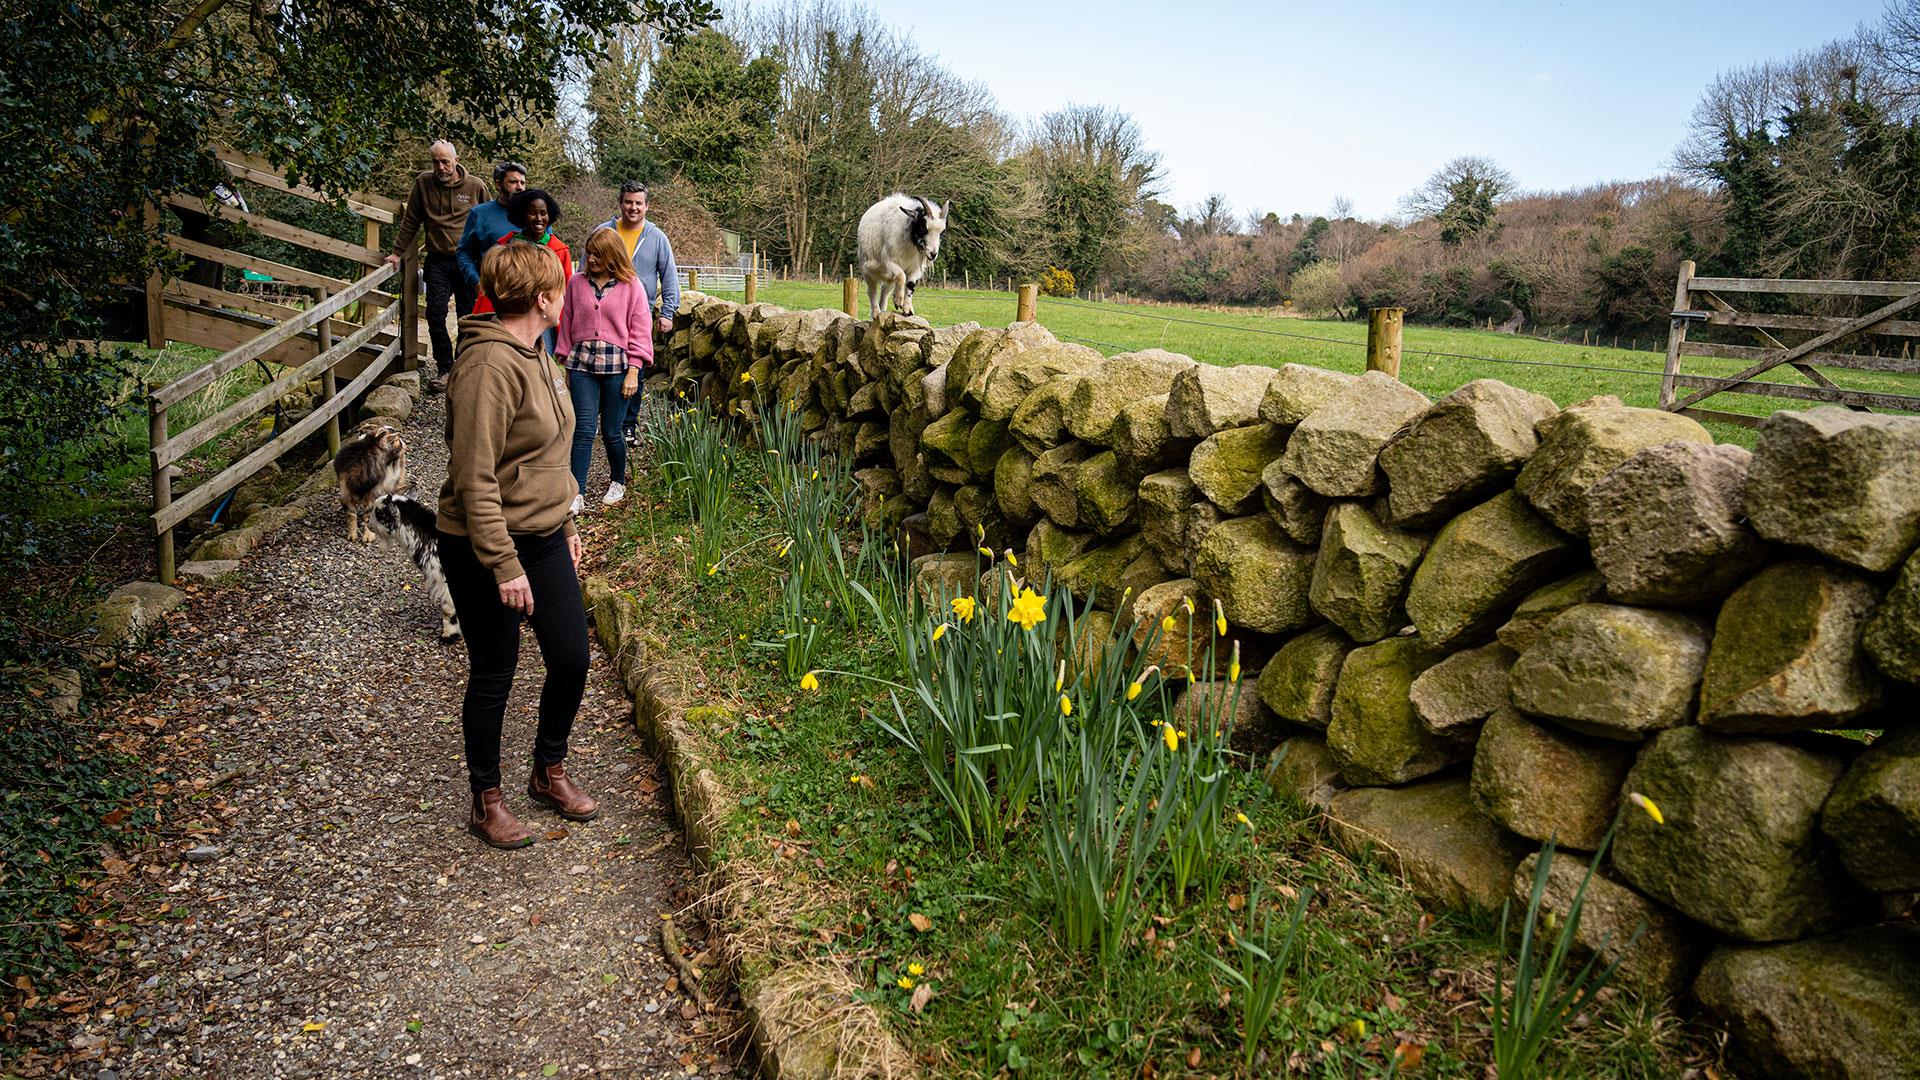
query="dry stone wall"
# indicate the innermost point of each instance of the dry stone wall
(1474, 623)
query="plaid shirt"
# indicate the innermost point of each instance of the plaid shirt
(597, 358)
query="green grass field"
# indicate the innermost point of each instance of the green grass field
(1436, 359)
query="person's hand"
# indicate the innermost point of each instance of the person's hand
(665, 325)
(393, 260)
(518, 593)
(573, 549)
(632, 385)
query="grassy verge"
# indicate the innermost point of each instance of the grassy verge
(856, 864)
(1436, 360)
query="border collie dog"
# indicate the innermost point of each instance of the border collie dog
(408, 526)
(372, 462)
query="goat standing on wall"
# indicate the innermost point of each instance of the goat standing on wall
(899, 239)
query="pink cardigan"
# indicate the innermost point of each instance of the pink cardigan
(622, 318)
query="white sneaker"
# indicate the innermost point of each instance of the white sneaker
(579, 504)
(615, 492)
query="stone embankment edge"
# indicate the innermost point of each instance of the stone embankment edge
(797, 1013)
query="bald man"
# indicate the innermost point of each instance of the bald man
(440, 201)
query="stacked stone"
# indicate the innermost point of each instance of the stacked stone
(1476, 623)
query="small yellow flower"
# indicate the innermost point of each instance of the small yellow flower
(1060, 677)
(712, 569)
(1242, 819)
(1133, 689)
(1220, 618)
(1187, 602)
(816, 476)
(1029, 609)
(1066, 705)
(964, 607)
(1166, 625)
(1011, 561)
(743, 637)
(904, 983)
(1357, 1028)
(1233, 666)
(939, 632)
(746, 376)
(784, 548)
(809, 681)
(1647, 804)
(1171, 737)
(979, 531)
(915, 968)
(987, 553)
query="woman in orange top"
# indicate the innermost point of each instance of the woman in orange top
(536, 213)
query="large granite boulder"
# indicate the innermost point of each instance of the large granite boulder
(1470, 442)
(1361, 572)
(1587, 441)
(1055, 487)
(1294, 391)
(1039, 422)
(1299, 680)
(1840, 482)
(1545, 604)
(1097, 399)
(1143, 439)
(1227, 466)
(1892, 633)
(1741, 848)
(1303, 768)
(1658, 965)
(1612, 671)
(1786, 652)
(1182, 646)
(1166, 500)
(998, 388)
(1375, 734)
(1449, 852)
(1873, 815)
(1335, 450)
(1107, 492)
(1013, 485)
(133, 611)
(1261, 576)
(1457, 694)
(1104, 571)
(1839, 1008)
(1480, 564)
(1546, 783)
(1207, 398)
(1668, 526)
(1050, 547)
(1299, 510)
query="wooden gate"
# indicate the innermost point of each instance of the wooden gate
(321, 341)
(1823, 342)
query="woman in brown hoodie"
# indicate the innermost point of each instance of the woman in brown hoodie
(507, 541)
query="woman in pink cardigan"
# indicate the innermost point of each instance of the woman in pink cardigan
(605, 338)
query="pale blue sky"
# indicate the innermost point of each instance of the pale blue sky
(1283, 106)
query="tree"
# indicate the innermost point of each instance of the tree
(1319, 287)
(110, 104)
(1096, 177)
(1461, 195)
(708, 114)
(1212, 216)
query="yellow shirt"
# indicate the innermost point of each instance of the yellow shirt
(631, 239)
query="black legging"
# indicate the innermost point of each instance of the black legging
(492, 630)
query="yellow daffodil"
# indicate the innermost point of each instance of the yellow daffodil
(1356, 1028)
(816, 476)
(964, 607)
(1647, 804)
(786, 547)
(987, 553)
(1133, 689)
(1029, 609)
(1187, 602)
(1011, 561)
(915, 968)
(1166, 625)
(1233, 666)
(1066, 705)
(904, 983)
(1139, 684)
(809, 681)
(1060, 677)
(712, 569)
(1220, 618)
(746, 376)
(1171, 737)
(979, 531)
(939, 632)
(1242, 819)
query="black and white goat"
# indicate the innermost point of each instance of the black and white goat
(407, 525)
(899, 239)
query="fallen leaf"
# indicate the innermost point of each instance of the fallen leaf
(313, 1026)
(1235, 901)
(1193, 1058)
(920, 922)
(1408, 1055)
(793, 827)
(550, 1069)
(648, 785)
(557, 834)
(921, 995)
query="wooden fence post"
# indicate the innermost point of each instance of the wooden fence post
(1383, 339)
(327, 386)
(752, 286)
(1677, 331)
(156, 304)
(409, 313)
(162, 488)
(850, 303)
(1023, 310)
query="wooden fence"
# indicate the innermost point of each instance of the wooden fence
(1697, 302)
(353, 330)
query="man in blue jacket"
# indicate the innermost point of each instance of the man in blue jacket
(653, 259)
(486, 224)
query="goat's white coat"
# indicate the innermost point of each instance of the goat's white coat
(890, 260)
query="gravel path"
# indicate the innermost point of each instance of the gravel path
(347, 925)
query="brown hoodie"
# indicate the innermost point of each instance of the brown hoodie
(509, 445)
(442, 208)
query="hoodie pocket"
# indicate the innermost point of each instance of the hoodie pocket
(536, 491)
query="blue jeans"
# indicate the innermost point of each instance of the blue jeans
(597, 407)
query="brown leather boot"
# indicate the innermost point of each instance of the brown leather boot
(491, 822)
(549, 786)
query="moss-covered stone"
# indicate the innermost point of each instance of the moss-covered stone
(1873, 815)
(1892, 633)
(1012, 485)
(1335, 450)
(1469, 443)
(985, 443)
(1741, 848)
(943, 577)
(1143, 439)
(981, 350)
(1546, 783)
(1299, 510)
(1298, 682)
(1613, 671)
(1786, 653)
(1479, 565)
(1165, 500)
(1361, 573)
(1840, 482)
(1261, 576)
(945, 439)
(1056, 480)
(1449, 852)
(1050, 547)
(1295, 390)
(1039, 423)
(1658, 951)
(1098, 398)
(1303, 768)
(1375, 734)
(1545, 603)
(1668, 527)
(1586, 441)
(1107, 492)
(998, 389)
(1458, 693)
(1178, 648)
(943, 518)
(1100, 572)
(1207, 398)
(1227, 466)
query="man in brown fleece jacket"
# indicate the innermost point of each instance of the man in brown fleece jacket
(440, 201)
